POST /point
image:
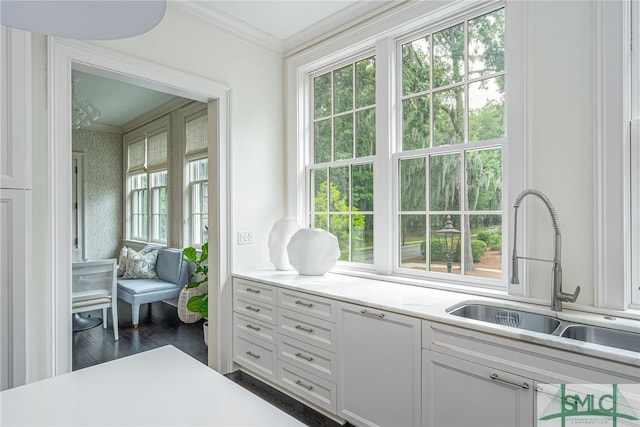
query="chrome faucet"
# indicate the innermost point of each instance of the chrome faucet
(558, 296)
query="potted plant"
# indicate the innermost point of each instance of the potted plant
(199, 303)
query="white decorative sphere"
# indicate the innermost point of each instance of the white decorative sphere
(279, 236)
(313, 251)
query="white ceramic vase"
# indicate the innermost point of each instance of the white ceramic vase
(313, 251)
(279, 237)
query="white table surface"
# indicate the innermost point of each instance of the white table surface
(161, 387)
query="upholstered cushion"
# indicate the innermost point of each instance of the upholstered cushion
(141, 265)
(122, 261)
(170, 266)
(142, 286)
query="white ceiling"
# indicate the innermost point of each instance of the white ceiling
(281, 19)
(276, 24)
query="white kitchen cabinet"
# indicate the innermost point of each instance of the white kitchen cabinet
(475, 378)
(458, 393)
(379, 373)
(288, 339)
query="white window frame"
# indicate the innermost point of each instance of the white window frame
(353, 161)
(460, 149)
(382, 36)
(143, 133)
(187, 114)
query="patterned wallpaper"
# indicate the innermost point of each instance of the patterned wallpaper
(102, 191)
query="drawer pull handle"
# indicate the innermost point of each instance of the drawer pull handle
(309, 305)
(309, 330)
(368, 313)
(257, 356)
(253, 309)
(255, 291)
(300, 383)
(495, 377)
(302, 356)
(255, 328)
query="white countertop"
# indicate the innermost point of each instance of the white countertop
(432, 304)
(161, 387)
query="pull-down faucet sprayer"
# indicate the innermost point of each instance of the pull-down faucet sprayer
(557, 295)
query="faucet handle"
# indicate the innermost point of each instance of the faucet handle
(570, 297)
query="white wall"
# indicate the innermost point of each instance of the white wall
(255, 76)
(560, 108)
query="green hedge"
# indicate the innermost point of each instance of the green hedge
(478, 249)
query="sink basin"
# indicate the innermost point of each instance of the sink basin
(508, 317)
(603, 336)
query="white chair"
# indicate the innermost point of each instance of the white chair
(95, 287)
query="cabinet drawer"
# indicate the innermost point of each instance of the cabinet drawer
(255, 328)
(257, 291)
(255, 309)
(308, 386)
(255, 355)
(310, 358)
(307, 304)
(307, 329)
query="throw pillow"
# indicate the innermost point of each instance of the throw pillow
(122, 261)
(141, 265)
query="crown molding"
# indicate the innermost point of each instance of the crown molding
(348, 17)
(355, 14)
(231, 24)
(104, 128)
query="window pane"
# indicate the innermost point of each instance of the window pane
(486, 44)
(413, 183)
(322, 141)
(444, 178)
(415, 66)
(344, 137)
(343, 89)
(366, 132)
(319, 190)
(444, 245)
(339, 226)
(339, 189)
(413, 230)
(448, 116)
(486, 109)
(448, 56)
(158, 179)
(483, 251)
(139, 181)
(362, 238)
(322, 95)
(484, 180)
(362, 187)
(365, 82)
(199, 170)
(415, 123)
(320, 221)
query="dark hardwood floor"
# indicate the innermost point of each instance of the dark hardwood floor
(159, 325)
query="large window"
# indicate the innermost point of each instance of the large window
(344, 143)
(451, 90)
(197, 192)
(443, 105)
(147, 199)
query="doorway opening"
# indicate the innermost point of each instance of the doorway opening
(67, 56)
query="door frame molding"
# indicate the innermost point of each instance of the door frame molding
(63, 55)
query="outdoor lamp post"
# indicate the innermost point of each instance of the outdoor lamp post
(449, 238)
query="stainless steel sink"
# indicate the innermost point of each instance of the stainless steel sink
(603, 336)
(508, 317)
